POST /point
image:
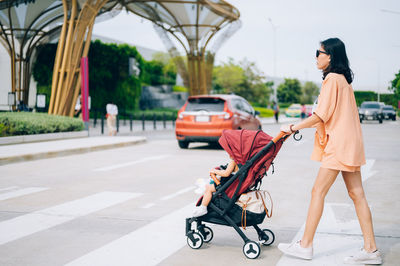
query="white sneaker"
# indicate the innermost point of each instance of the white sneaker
(295, 250)
(364, 257)
(200, 211)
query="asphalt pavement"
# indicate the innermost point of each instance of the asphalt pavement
(127, 205)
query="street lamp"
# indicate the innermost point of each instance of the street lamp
(274, 27)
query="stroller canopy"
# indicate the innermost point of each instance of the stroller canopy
(242, 145)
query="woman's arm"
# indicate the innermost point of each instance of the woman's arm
(224, 173)
(306, 123)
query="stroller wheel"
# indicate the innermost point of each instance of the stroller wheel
(251, 250)
(206, 233)
(267, 237)
(194, 240)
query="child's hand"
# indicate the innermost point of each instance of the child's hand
(212, 171)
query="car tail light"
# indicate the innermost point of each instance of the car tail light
(228, 115)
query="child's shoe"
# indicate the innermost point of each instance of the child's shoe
(364, 257)
(200, 211)
(295, 250)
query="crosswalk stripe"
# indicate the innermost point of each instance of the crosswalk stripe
(182, 191)
(31, 223)
(148, 245)
(8, 188)
(21, 192)
(121, 165)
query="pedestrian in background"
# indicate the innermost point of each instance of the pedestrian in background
(112, 112)
(303, 111)
(339, 147)
(275, 107)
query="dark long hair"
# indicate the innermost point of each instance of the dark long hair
(339, 63)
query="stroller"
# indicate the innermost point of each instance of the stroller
(253, 152)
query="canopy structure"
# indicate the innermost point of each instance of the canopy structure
(193, 23)
(24, 25)
(74, 42)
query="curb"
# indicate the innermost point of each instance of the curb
(43, 137)
(65, 152)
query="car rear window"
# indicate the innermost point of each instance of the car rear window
(205, 104)
(370, 105)
(388, 108)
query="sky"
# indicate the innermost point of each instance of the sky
(370, 30)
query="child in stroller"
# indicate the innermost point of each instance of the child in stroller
(229, 170)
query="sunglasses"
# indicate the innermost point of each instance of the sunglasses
(320, 52)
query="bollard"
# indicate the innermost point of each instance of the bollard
(102, 124)
(165, 126)
(143, 127)
(154, 121)
(95, 118)
(117, 123)
(130, 122)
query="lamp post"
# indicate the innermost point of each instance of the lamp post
(274, 27)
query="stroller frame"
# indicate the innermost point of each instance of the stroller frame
(200, 233)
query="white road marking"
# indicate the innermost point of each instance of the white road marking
(44, 219)
(147, 159)
(8, 188)
(148, 205)
(366, 170)
(178, 193)
(148, 245)
(336, 237)
(21, 192)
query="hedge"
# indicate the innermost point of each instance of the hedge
(264, 112)
(25, 123)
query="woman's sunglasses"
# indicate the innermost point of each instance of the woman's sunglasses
(320, 52)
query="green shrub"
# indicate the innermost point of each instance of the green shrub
(265, 112)
(177, 88)
(24, 123)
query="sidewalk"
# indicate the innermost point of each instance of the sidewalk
(47, 149)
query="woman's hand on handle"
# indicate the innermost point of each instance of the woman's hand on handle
(288, 129)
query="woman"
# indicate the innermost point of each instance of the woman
(340, 148)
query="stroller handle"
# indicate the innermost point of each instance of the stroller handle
(283, 135)
(280, 135)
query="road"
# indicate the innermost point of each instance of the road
(127, 206)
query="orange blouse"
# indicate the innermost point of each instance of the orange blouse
(340, 131)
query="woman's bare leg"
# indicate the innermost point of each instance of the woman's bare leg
(356, 192)
(208, 195)
(325, 179)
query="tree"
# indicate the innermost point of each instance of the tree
(310, 92)
(395, 86)
(243, 79)
(289, 91)
(227, 77)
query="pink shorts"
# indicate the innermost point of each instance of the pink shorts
(329, 161)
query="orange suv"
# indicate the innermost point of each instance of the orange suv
(203, 118)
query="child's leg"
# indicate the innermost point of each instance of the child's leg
(208, 195)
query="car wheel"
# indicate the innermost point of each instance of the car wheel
(394, 118)
(360, 120)
(183, 144)
(380, 121)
